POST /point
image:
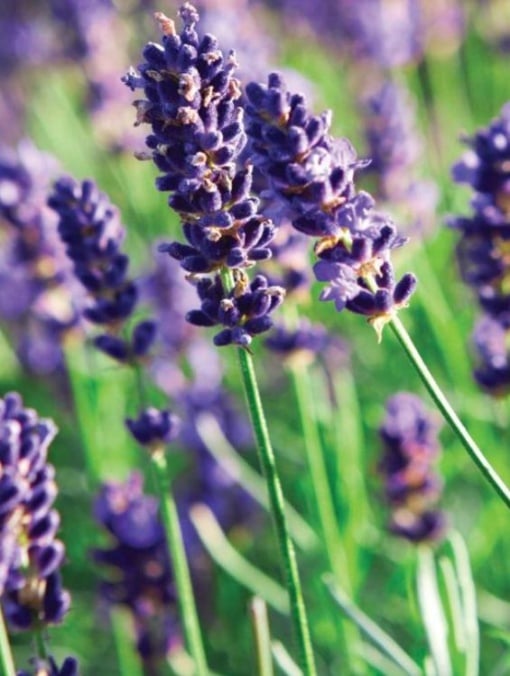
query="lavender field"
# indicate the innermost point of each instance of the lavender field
(254, 338)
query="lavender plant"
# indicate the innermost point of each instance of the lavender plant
(312, 174)
(193, 106)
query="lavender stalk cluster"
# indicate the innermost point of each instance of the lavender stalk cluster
(409, 434)
(137, 573)
(482, 250)
(193, 105)
(30, 555)
(89, 225)
(312, 174)
(39, 302)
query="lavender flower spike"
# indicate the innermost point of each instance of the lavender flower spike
(30, 555)
(89, 226)
(409, 435)
(312, 173)
(137, 555)
(193, 106)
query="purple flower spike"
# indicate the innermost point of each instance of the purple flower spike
(30, 556)
(483, 244)
(90, 227)
(409, 436)
(312, 175)
(137, 571)
(193, 107)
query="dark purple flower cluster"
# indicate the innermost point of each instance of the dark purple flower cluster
(89, 226)
(141, 577)
(49, 668)
(312, 173)
(38, 302)
(30, 555)
(244, 311)
(154, 428)
(193, 106)
(395, 147)
(482, 251)
(409, 435)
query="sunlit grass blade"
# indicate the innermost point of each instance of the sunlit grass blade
(254, 484)
(371, 630)
(284, 661)
(228, 558)
(262, 636)
(454, 602)
(469, 605)
(432, 612)
(6, 659)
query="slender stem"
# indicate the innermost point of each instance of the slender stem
(268, 464)
(262, 636)
(177, 553)
(40, 643)
(6, 661)
(287, 552)
(449, 414)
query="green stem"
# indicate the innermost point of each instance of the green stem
(177, 553)
(42, 653)
(274, 488)
(287, 552)
(449, 414)
(6, 660)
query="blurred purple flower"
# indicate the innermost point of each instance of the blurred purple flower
(410, 447)
(141, 576)
(90, 227)
(39, 303)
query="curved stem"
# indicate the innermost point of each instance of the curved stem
(449, 414)
(6, 660)
(177, 553)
